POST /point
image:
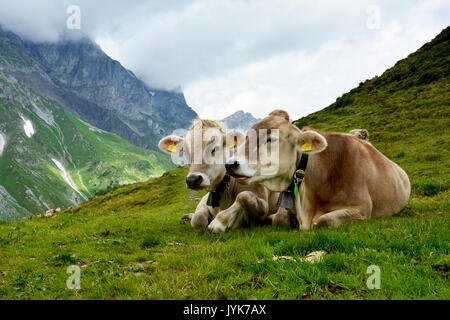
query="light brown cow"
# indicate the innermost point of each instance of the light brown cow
(239, 205)
(288, 217)
(346, 179)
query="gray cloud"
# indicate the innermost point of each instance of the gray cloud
(232, 54)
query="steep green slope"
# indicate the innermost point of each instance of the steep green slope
(407, 113)
(94, 159)
(130, 243)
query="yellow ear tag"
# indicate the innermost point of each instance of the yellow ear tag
(306, 147)
(172, 147)
(233, 144)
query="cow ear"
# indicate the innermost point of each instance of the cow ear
(311, 142)
(171, 144)
(234, 139)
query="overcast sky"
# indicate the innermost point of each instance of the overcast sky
(255, 55)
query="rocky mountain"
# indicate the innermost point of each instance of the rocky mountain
(49, 158)
(98, 89)
(51, 154)
(240, 120)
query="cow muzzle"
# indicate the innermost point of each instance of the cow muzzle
(233, 168)
(194, 181)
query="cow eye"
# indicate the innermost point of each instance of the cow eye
(213, 151)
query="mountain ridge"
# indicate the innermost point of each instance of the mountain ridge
(51, 159)
(80, 76)
(51, 156)
(240, 120)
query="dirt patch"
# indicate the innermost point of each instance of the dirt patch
(441, 269)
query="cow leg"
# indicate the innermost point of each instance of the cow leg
(281, 218)
(187, 216)
(199, 219)
(339, 217)
(246, 206)
(304, 211)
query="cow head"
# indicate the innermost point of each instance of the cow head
(273, 133)
(207, 147)
(362, 134)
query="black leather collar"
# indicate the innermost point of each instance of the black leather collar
(287, 198)
(214, 196)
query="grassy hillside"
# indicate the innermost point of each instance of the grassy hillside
(407, 113)
(130, 242)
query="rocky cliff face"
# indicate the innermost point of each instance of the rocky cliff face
(80, 76)
(49, 156)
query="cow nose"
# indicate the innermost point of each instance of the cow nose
(231, 166)
(193, 180)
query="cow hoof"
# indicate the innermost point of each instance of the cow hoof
(216, 227)
(279, 220)
(187, 217)
(199, 221)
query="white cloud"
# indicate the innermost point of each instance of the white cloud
(254, 54)
(302, 82)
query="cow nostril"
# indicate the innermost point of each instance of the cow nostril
(194, 180)
(232, 166)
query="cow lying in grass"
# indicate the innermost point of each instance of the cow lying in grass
(228, 204)
(345, 179)
(288, 217)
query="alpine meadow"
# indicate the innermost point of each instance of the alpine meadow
(130, 243)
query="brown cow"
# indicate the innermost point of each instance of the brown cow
(237, 204)
(288, 217)
(346, 179)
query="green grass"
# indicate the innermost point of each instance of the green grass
(131, 244)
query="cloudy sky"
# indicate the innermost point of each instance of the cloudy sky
(255, 55)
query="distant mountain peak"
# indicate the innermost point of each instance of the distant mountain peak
(240, 120)
(79, 75)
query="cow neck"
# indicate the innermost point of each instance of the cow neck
(214, 196)
(287, 197)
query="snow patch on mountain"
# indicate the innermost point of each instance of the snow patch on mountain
(2, 143)
(67, 178)
(27, 127)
